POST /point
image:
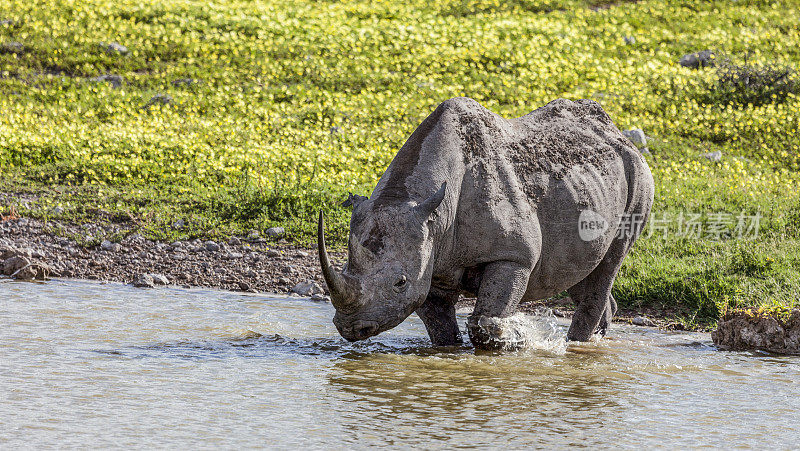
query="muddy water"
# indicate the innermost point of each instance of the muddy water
(110, 365)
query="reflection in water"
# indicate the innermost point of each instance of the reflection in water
(108, 365)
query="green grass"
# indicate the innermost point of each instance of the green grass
(297, 103)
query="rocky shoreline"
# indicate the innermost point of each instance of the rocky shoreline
(35, 249)
(31, 248)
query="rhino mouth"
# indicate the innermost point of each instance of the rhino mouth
(360, 330)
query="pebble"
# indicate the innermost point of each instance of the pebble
(185, 82)
(114, 48)
(109, 246)
(273, 253)
(233, 241)
(642, 321)
(12, 47)
(713, 156)
(637, 137)
(160, 279)
(308, 288)
(114, 80)
(275, 232)
(211, 246)
(159, 99)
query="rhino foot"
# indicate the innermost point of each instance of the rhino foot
(493, 333)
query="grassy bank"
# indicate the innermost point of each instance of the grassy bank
(241, 115)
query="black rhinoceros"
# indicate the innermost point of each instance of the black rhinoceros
(505, 209)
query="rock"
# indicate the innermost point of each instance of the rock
(159, 279)
(244, 286)
(308, 288)
(272, 253)
(159, 99)
(302, 254)
(253, 235)
(14, 264)
(114, 48)
(185, 82)
(275, 232)
(114, 80)
(637, 137)
(699, 59)
(177, 225)
(233, 241)
(144, 281)
(8, 22)
(629, 40)
(211, 246)
(57, 210)
(284, 281)
(643, 321)
(109, 246)
(233, 256)
(713, 156)
(316, 297)
(12, 47)
(750, 329)
(33, 271)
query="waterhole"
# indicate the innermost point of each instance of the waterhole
(88, 364)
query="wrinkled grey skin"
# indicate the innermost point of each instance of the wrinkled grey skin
(475, 203)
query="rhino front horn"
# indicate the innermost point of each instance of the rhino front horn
(341, 287)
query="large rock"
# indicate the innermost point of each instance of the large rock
(13, 264)
(752, 330)
(699, 59)
(33, 271)
(144, 281)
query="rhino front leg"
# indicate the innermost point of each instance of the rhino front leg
(502, 287)
(438, 313)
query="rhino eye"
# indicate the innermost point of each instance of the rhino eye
(401, 283)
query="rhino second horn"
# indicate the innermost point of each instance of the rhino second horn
(341, 293)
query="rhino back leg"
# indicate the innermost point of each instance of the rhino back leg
(438, 313)
(502, 286)
(592, 296)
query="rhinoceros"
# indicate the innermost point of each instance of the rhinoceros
(502, 209)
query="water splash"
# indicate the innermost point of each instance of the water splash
(539, 331)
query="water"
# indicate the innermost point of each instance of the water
(109, 365)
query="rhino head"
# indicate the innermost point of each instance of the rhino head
(389, 266)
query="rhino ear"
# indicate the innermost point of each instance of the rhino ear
(353, 200)
(426, 208)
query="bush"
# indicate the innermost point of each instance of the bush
(752, 84)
